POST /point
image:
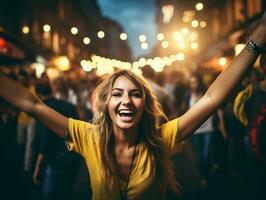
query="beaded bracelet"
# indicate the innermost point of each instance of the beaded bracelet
(254, 47)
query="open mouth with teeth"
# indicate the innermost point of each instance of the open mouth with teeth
(126, 115)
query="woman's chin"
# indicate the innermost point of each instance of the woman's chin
(126, 126)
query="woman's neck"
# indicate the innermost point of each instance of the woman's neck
(126, 138)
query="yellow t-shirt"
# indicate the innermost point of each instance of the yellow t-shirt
(143, 184)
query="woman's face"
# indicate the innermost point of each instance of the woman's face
(126, 104)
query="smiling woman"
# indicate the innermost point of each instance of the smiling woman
(131, 124)
(125, 106)
(126, 148)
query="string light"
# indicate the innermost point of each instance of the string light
(180, 56)
(179, 36)
(101, 34)
(203, 24)
(102, 64)
(160, 36)
(194, 45)
(144, 45)
(46, 28)
(123, 36)
(142, 38)
(86, 40)
(165, 44)
(222, 61)
(185, 31)
(74, 30)
(106, 65)
(195, 23)
(25, 29)
(199, 6)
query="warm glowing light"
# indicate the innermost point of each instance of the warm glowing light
(123, 36)
(238, 48)
(165, 44)
(144, 45)
(199, 6)
(74, 30)
(25, 29)
(86, 65)
(194, 45)
(193, 36)
(185, 31)
(168, 13)
(181, 44)
(195, 23)
(203, 24)
(86, 40)
(53, 73)
(222, 61)
(167, 61)
(62, 63)
(178, 36)
(180, 56)
(39, 69)
(83, 63)
(136, 64)
(173, 58)
(142, 38)
(100, 34)
(46, 28)
(186, 19)
(142, 62)
(188, 15)
(160, 36)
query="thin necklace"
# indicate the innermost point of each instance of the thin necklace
(123, 193)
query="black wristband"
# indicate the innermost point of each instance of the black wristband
(254, 47)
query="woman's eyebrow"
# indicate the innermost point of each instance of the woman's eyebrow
(132, 90)
(120, 89)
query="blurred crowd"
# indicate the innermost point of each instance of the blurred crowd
(225, 158)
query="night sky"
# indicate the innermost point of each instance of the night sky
(136, 17)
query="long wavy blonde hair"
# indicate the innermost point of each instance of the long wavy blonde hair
(151, 119)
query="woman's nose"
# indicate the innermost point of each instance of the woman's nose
(126, 99)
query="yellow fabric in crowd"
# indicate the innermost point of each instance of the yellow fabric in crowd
(239, 104)
(143, 184)
(24, 118)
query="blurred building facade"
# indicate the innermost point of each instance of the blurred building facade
(48, 29)
(206, 31)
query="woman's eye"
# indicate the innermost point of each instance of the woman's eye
(136, 94)
(116, 94)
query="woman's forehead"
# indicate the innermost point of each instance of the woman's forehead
(124, 82)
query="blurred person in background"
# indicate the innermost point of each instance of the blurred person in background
(250, 109)
(162, 95)
(180, 92)
(201, 139)
(59, 166)
(126, 148)
(26, 128)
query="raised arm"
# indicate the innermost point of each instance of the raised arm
(21, 98)
(222, 86)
